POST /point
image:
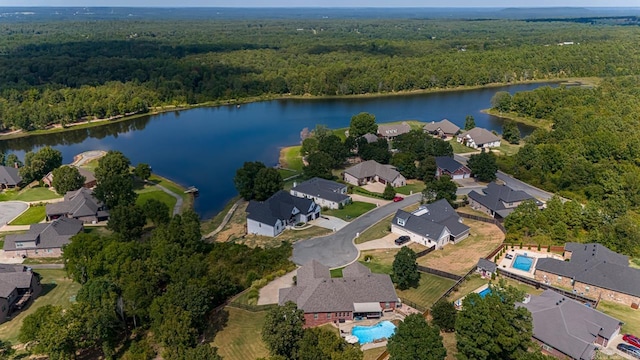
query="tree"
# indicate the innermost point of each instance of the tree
(405, 269)
(406, 165)
(469, 123)
(142, 171)
(38, 164)
(362, 123)
(319, 165)
(282, 330)
(444, 315)
(333, 146)
(377, 150)
(127, 221)
(321, 344)
(510, 132)
(427, 169)
(441, 188)
(483, 166)
(321, 131)
(415, 339)
(493, 327)
(156, 211)
(115, 190)
(245, 178)
(81, 257)
(13, 161)
(268, 182)
(112, 164)
(67, 178)
(501, 101)
(309, 146)
(389, 192)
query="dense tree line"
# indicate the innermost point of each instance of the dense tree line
(56, 73)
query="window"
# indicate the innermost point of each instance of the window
(586, 289)
(559, 278)
(547, 347)
(400, 222)
(328, 315)
(315, 316)
(387, 305)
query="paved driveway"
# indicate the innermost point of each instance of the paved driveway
(269, 293)
(11, 209)
(329, 222)
(337, 249)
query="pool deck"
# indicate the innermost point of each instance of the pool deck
(507, 264)
(346, 327)
(458, 303)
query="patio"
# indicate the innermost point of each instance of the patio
(507, 264)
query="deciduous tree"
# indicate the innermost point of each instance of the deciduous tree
(67, 178)
(405, 269)
(115, 191)
(127, 221)
(415, 339)
(389, 192)
(38, 164)
(156, 211)
(112, 164)
(142, 171)
(469, 122)
(282, 330)
(362, 123)
(319, 165)
(483, 166)
(510, 132)
(268, 182)
(444, 315)
(245, 178)
(441, 188)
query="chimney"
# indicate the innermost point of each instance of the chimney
(15, 165)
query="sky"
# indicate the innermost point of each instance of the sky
(325, 3)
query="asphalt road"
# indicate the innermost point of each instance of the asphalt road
(11, 209)
(337, 249)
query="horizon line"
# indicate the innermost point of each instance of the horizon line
(319, 7)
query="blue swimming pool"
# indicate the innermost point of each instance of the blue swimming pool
(367, 334)
(484, 292)
(522, 263)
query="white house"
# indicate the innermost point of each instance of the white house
(478, 138)
(272, 216)
(325, 193)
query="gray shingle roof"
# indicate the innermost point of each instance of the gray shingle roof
(12, 277)
(371, 168)
(444, 125)
(431, 220)
(322, 188)
(371, 138)
(494, 197)
(278, 207)
(76, 203)
(393, 130)
(449, 164)
(594, 264)
(9, 176)
(480, 136)
(324, 294)
(487, 265)
(568, 325)
(47, 236)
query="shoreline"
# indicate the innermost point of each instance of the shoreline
(215, 103)
(536, 123)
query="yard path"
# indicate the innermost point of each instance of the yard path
(226, 219)
(177, 208)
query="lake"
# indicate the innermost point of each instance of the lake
(203, 147)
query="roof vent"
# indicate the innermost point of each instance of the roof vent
(557, 303)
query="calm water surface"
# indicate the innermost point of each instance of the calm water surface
(203, 147)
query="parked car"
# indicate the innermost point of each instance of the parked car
(628, 349)
(509, 256)
(633, 340)
(397, 198)
(402, 239)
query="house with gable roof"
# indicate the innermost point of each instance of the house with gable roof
(435, 224)
(325, 193)
(9, 177)
(499, 200)
(565, 328)
(43, 239)
(478, 138)
(18, 285)
(79, 204)
(594, 271)
(372, 171)
(391, 131)
(272, 216)
(446, 165)
(358, 293)
(443, 128)
(89, 178)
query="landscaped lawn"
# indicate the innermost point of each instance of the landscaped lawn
(33, 215)
(33, 194)
(351, 211)
(412, 187)
(629, 316)
(466, 287)
(57, 290)
(428, 292)
(382, 228)
(459, 148)
(380, 260)
(241, 338)
(285, 173)
(372, 354)
(149, 193)
(176, 188)
(290, 158)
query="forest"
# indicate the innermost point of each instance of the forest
(60, 72)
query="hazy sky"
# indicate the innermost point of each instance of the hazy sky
(326, 3)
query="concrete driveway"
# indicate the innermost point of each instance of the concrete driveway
(10, 209)
(611, 348)
(337, 249)
(387, 242)
(329, 222)
(269, 293)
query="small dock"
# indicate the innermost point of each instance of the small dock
(192, 190)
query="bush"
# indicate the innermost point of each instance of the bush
(368, 258)
(389, 192)
(521, 245)
(538, 247)
(493, 276)
(340, 206)
(548, 248)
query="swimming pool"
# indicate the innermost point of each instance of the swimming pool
(522, 263)
(484, 292)
(367, 334)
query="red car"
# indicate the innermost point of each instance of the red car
(397, 198)
(631, 340)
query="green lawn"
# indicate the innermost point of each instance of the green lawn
(459, 148)
(155, 193)
(290, 158)
(629, 316)
(285, 173)
(466, 287)
(372, 354)
(336, 273)
(56, 290)
(415, 187)
(378, 230)
(429, 290)
(33, 194)
(240, 339)
(33, 215)
(351, 211)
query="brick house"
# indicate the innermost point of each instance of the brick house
(281, 210)
(79, 204)
(9, 177)
(89, 179)
(43, 240)
(359, 293)
(18, 285)
(446, 165)
(499, 200)
(325, 193)
(594, 271)
(372, 171)
(567, 329)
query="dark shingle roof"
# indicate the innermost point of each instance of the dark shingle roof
(595, 265)
(479, 136)
(487, 265)
(371, 138)
(12, 277)
(322, 188)
(444, 125)
(371, 168)
(431, 220)
(568, 325)
(449, 164)
(9, 176)
(324, 294)
(76, 203)
(278, 207)
(47, 236)
(495, 195)
(393, 130)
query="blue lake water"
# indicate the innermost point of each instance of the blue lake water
(522, 262)
(204, 147)
(367, 334)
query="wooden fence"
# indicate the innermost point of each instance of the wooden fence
(440, 273)
(495, 251)
(484, 219)
(425, 252)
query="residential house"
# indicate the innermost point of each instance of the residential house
(448, 166)
(391, 131)
(486, 268)
(594, 271)
(359, 293)
(9, 177)
(479, 138)
(281, 210)
(371, 171)
(18, 285)
(499, 200)
(44, 239)
(371, 138)
(443, 128)
(436, 224)
(567, 329)
(89, 179)
(325, 193)
(79, 204)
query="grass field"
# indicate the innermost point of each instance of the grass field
(240, 339)
(176, 188)
(625, 313)
(290, 158)
(56, 290)
(412, 187)
(152, 192)
(351, 211)
(372, 354)
(286, 173)
(380, 229)
(459, 148)
(473, 282)
(428, 292)
(33, 194)
(33, 215)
